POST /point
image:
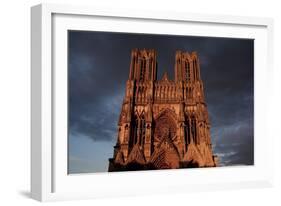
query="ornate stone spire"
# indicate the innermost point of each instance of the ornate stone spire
(165, 77)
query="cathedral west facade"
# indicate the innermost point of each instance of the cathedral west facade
(164, 123)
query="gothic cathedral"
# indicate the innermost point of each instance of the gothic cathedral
(163, 124)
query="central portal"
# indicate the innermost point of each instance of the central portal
(165, 154)
(165, 126)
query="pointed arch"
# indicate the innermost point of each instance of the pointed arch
(165, 125)
(192, 157)
(165, 156)
(119, 159)
(138, 129)
(167, 111)
(136, 155)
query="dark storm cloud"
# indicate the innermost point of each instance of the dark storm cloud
(99, 67)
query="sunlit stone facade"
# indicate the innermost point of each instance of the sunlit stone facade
(163, 123)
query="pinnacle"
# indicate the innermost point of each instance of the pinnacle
(165, 76)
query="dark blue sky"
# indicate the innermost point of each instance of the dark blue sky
(99, 67)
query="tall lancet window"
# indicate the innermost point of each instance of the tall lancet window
(187, 133)
(138, 131)
(134, 131)
(142, 69)
(149, 68)
(193, 129)
(195, 69)
(142, 130)
(187, 71)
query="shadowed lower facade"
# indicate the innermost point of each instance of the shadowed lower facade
(164, 123)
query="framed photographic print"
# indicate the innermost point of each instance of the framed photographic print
(149, 101)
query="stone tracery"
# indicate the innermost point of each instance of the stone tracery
(163, 123)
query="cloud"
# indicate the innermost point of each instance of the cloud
(98, 121)
(234, 144)
(99, 66)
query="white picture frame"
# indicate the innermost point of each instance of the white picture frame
(49, 178)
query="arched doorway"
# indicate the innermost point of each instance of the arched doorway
(165, 125)
(165, 155)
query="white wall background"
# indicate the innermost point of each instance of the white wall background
(15, 102)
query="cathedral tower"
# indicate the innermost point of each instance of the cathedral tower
(163, 123)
